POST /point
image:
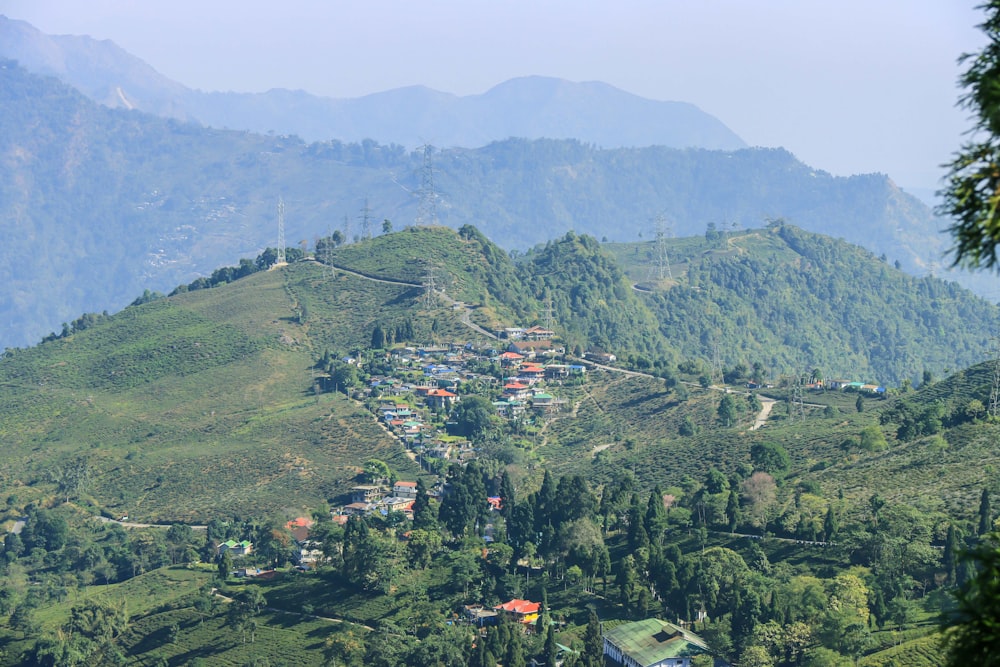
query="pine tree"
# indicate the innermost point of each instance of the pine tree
(507, 498)
(593, 643)
(549, 652)
(733, 510)
(985, 514)
(829, 524)
(515, 650)
(423, 513)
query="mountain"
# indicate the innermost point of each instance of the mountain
(204, 381)
(102, 204)
(530, 107)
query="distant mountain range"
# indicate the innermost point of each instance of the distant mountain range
(99, 204)
(530, 107)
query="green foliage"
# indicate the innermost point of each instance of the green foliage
(971, 634)
(972, 194)
(770, 457)
(781, 295)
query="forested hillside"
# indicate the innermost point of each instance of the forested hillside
(788, 299)
(109, 203)
(785, 527)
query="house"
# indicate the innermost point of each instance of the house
(538, 333)
(405, 490)
(441, 399)
(479, 615)
(511, 359)
(516, 390)
(234, 548)
(520, 611)
(601, 357)
(556, 371)
(543, 401)
(394, 504)
(357, 509)
(365, 493)
(652, 643)
(532, 348)
(299, 528)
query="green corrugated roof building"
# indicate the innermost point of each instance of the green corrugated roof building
(652, 643)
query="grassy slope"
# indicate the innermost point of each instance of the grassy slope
(193, 406)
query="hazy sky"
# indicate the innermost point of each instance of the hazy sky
(849, 86)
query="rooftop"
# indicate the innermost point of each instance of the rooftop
(651, 641)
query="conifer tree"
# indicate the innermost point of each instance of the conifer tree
(985, 514)
(593, 643)
(423, 513)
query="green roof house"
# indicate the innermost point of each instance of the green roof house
(652, 643)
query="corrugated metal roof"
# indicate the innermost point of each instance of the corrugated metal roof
(652, 640)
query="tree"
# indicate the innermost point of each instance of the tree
(225, 565)
(971, 196)
(728, 411)
(474, 416)
(770, 458)
(985, 513)
(550, 649)
(423, 513)
(972, 629)
(593, 642)
(872, 439)
(387, 226)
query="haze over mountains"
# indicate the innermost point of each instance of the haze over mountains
(530, 107)
(109, 202)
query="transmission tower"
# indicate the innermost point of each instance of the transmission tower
(548, 316)
(717, 372)
(366, 221)
(427, 205)
(994, 408)
(328, 255)
(663, 232)
(430, 299)
(281, 231)
(796, 403)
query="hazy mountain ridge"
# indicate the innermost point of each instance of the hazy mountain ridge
(108, 203)
(531, 107)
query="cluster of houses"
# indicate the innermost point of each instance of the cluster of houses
(528, 371)
(371, 498)
(832, 385)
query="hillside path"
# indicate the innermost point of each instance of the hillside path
(766, 404)
(332, 619)
(132, 524)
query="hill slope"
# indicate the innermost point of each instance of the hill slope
(109, 203)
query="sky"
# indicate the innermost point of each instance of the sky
(852, 86)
